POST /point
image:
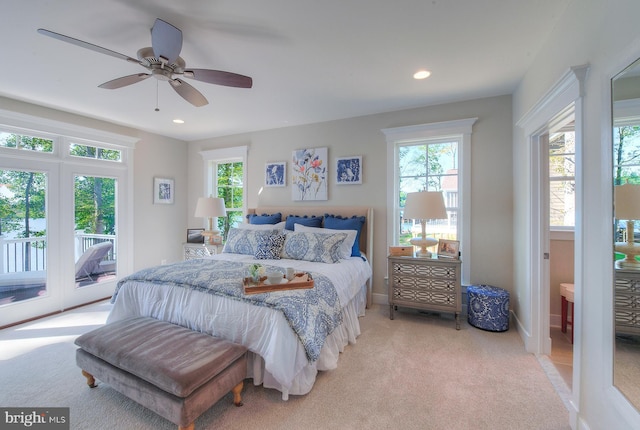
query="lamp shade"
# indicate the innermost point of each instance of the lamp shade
(209, 207)
(425, 205)
(627, 201)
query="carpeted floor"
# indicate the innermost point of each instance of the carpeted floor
(415, 372)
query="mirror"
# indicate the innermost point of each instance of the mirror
(625, 92)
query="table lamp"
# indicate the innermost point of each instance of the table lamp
(423, 206)
(627, 207)
(210, 207)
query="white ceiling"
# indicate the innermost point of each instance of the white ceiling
(310, 60)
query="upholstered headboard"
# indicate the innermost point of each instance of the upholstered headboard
(366, 236)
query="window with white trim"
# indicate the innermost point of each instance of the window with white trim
(226, 179)
(431, 157)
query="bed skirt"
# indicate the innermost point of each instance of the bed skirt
(276, 357)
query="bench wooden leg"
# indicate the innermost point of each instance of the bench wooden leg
(237, 396)
(91, 381)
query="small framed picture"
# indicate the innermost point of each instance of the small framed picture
(163, 191)
(448, 248)
(194, 235)
(349, 170)
(275, 174)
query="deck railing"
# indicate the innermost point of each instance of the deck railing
(30, 253)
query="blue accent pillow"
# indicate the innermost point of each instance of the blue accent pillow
(265, 218)
(354, 223)
(270, 247)
(312, 221)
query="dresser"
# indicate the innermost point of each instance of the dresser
(429, 284)
(199, 250)
(627, 301)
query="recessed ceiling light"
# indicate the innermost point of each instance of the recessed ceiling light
(421, 74)
(178, 121)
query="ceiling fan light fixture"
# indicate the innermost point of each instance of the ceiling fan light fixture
(421, 74)
(178, 121)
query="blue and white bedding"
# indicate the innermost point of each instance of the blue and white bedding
(312, 313)
(280, 357)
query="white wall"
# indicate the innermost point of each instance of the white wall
(604, 34)
(491, 202)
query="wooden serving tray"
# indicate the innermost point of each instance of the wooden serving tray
(300, 282)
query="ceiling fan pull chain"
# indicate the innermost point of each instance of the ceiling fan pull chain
(157, 97)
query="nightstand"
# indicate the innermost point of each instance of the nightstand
(429, 284)
(627, 301)
(199, 250)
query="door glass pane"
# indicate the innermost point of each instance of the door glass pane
(23, 239)
(95, 229)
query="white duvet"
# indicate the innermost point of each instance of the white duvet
(277, 359)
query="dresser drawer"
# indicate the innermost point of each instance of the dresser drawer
(424, 271)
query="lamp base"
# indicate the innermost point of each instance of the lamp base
(423, 243)
(630, 251)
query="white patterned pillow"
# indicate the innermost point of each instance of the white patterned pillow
(244, 241)
(318, 247)
(347, 245)
(270, 247)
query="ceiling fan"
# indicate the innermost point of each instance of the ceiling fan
(163, 62)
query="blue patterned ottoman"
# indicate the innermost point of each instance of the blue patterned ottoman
(488, 307)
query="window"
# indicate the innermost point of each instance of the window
(229, 185)
(562, 182)
(60, 194)
(226, 178)
(626, 164)
(25, 141)
(95, 152)
(430, 165)
(430, 157)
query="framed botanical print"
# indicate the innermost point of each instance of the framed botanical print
(275, 174)
(349, 170)
(163, 191)
(309, 174)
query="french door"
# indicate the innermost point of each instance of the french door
(65, 235)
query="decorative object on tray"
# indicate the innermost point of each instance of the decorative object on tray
(448, 248)
(424, 206)
(349, 170)
(309, 174)
(275, 174)
(163, 190)
(301, 280)
(211, 207)
(256, 271)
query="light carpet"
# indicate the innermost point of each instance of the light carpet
(415, 372)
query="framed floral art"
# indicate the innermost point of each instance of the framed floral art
(309, 174)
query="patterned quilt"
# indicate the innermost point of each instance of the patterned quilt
(312, 313)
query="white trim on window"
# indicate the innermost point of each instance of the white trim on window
(414, 133)
(235, 153)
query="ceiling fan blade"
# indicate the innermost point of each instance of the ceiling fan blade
(86, 45)
(124, 81)
(188, 93)
(219, 78)
(166, 40)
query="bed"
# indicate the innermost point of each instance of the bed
(291, 335)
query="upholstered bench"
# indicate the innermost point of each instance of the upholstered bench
(176, 372)
(488, 307)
